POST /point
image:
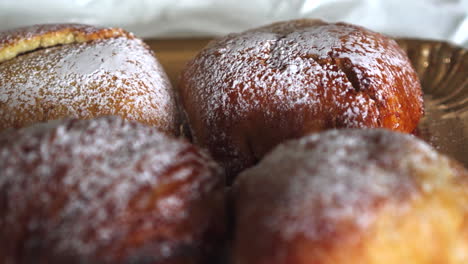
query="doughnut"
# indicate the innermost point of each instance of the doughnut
(56, 71)
(245, 93)
(107, 190)
(354, 196)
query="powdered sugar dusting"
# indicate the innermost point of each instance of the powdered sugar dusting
(286, 68)
(313, 186)
(82, 187)
(117, 76)
(330, 75)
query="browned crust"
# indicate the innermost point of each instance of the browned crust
(239, 139)
(21, 40)
(423, 215)
(187, 231)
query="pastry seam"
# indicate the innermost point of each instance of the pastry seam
(54, 38)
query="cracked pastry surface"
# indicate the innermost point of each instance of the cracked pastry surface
(49, 72)
(352, 196)
(106, 190)
(247, 92)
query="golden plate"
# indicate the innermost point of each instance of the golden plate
(443, 71)
(442, 68)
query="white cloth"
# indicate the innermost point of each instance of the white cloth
(434, 19)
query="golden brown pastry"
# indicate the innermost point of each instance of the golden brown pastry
(352, 197)
(245, 93)
(49, 72)
(107, 191)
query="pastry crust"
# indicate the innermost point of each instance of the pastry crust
(355, 197)
(21, 40)
(83, 72)
(107, 191)
(245, 93)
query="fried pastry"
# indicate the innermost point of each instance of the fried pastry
(352, 197)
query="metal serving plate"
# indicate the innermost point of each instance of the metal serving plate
(443, 70)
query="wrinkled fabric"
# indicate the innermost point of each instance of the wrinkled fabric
(433, 19)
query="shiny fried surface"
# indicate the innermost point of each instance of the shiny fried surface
(245, 93)
(106, 191)
(352, 196)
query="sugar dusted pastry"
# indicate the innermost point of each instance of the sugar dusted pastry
(352, 197)
(104, 191)
(247, 92)
(49, 72)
